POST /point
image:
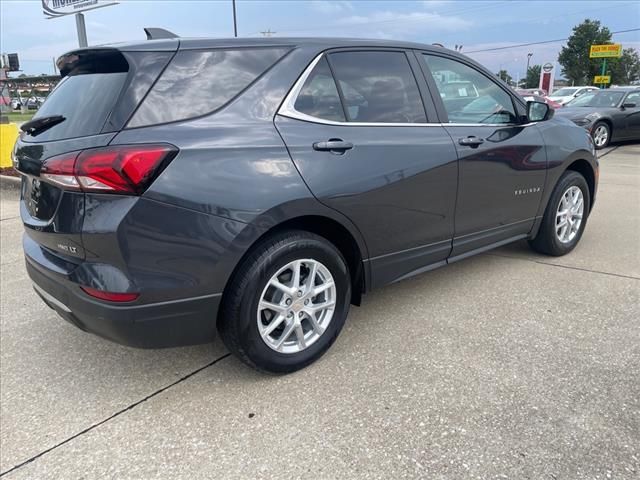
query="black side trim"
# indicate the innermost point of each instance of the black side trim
(486, 248)
(475, 242)
(397, 266)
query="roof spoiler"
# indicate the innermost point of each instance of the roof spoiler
(158, 33)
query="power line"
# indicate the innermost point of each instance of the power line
(542, 42)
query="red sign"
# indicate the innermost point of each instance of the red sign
(546, 78)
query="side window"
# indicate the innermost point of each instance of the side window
(378, 87)
(633, 98)
(319, 95)
(198, 82)
(468, 95)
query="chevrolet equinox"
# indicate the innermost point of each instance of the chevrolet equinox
(259, 187)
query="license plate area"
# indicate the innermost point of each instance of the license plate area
(41, 199)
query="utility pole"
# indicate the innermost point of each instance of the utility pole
(526, 72)
(82, 30)
(235, 24)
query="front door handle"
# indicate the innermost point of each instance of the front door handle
(471, 141)
(334, 145)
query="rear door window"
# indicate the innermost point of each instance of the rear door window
(378, 87)
(319, 95)
(199, 82)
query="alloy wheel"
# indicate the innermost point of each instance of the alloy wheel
(569, 214)
(296, 306)
(600, 136)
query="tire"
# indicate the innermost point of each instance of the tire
(243, 317)
(601, 134)
(548, 240)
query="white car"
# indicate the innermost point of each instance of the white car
(566, 94)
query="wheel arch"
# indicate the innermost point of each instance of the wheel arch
(584, 168)
(335, 233)
(608, 121)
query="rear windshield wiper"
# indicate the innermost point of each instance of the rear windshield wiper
(39, 125)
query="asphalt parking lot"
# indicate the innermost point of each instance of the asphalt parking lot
(507, 365)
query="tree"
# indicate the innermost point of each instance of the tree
(533, 76)
(625, 69)
(577, 67)
(504, 75)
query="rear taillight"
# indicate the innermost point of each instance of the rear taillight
(126, 169)
(110, 296)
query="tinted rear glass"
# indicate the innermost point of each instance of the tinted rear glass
(378, 87)
(319, 95)
(199, 82)
(85, 101)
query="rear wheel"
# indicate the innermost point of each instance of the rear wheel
(565, 217)
(601, 134)
(287, 302)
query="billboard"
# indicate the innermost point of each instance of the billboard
(10, 62)
(60, 8)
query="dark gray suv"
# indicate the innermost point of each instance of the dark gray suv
(261, 186)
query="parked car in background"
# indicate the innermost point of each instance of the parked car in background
(16, 104)
(34, 103)
(531, 91)
(566, 94)
(315, 171)
(540, 98)
(609, 115)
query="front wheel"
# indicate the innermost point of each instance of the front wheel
(565, 217)
(287, 302)
(601, 134)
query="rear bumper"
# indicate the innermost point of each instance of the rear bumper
(172, 323)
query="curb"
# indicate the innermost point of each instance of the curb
(10, 185)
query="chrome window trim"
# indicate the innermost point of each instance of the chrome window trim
(287, 109)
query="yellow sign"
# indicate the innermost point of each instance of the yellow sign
(605, 51)
(602, 79)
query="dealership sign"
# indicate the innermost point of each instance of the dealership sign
(59, 8)
(602, 79)
(605, 51)
(546, 78)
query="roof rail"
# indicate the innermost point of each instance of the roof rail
(158, 33)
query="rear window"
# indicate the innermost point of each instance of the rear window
(85, 101)
(199, 82)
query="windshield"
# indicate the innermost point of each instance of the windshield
(597, 99)
(564, 92)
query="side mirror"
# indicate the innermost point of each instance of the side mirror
(628, 105)
(538, 111)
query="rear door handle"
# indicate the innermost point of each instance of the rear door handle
(471, 141)
(334, 145)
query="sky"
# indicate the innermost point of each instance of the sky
(475, 24)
